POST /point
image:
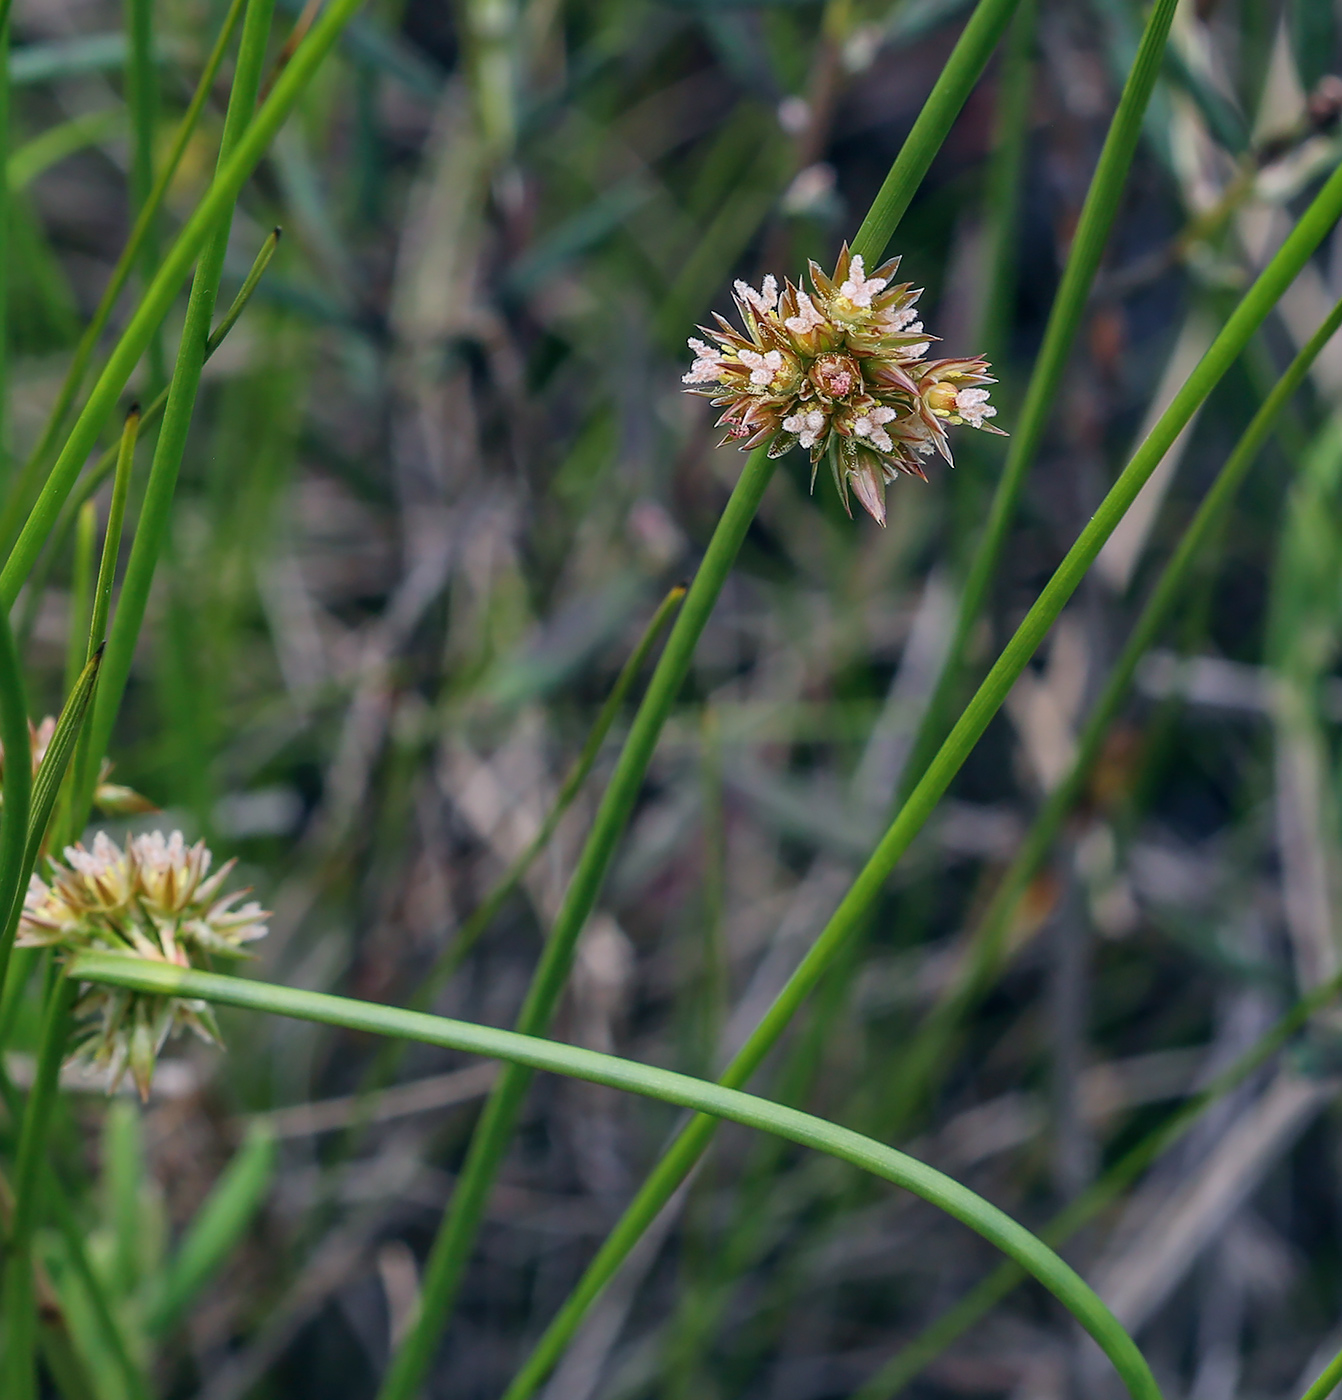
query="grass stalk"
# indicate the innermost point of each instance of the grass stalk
(4, 242)
(23, 487)
(928, 1054)
(197, 231)
(847, 919)
(18, 782)
(1329, 1380)
(456, 1236)
(161, 979)
(142, 102)
(1069, 305)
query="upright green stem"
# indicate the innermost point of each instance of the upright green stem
(18, 783)
(21, 489)
(4, 244)
(1328, 1381)
(689, 1145)
(164, 979)
(18, 1361)
(928, 1055)
(191, 351)
(1092, 232)
(447, 1260)
(198, 230)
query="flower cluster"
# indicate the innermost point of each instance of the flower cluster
(156, 900)
(839, 371)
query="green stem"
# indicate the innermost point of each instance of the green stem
(161, 979)
(79, 362)
(142, 101)
(929, 1052)
(972, 51)
(846, 920)
(1092, 232)
(18, 1363)
(925, 1348)
(1328, 1381)
(156, 509)
(451, 1249)
(4, 245)
(198, 230)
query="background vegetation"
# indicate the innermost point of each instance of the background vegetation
(439, 479)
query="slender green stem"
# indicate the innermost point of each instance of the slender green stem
(926, 1347)
(1092, 232)
(4, 246)
(18, 1362)
(161, 979)
(79, 361)
(971, 53)
(846, 920)
(451, 1249)
(81, 591)
(1328, 1381)
(198, 230)
(928, 1054)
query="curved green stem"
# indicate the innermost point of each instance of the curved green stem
(214, 204)
(161, 979)
(451, 1249)
(1069, 306)
(690, 1144)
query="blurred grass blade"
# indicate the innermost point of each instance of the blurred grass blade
(28, 161)
(141, 87)
(215, 1230)
(140, 233)
(846, 920)
(5, 218)
(1065, 317)
(216, 202)
(111, 969)
(152, 527)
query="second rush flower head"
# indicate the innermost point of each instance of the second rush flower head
(839, 371)
(155, 900)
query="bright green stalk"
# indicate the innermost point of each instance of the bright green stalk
(928, 1052)
(972, 51)
(142, 101)
(79, 362)
(456, 1236)
(152, 528)
(685, 1151)
(162, 979)
(199, 228)
(451, 1249)
(81, 590)
(1328, 1381)
(1069, 306)
(18, 1361)
(4, 242)
(926, 1347)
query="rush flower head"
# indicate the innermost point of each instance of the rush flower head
(839, 371)
(155, 900)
